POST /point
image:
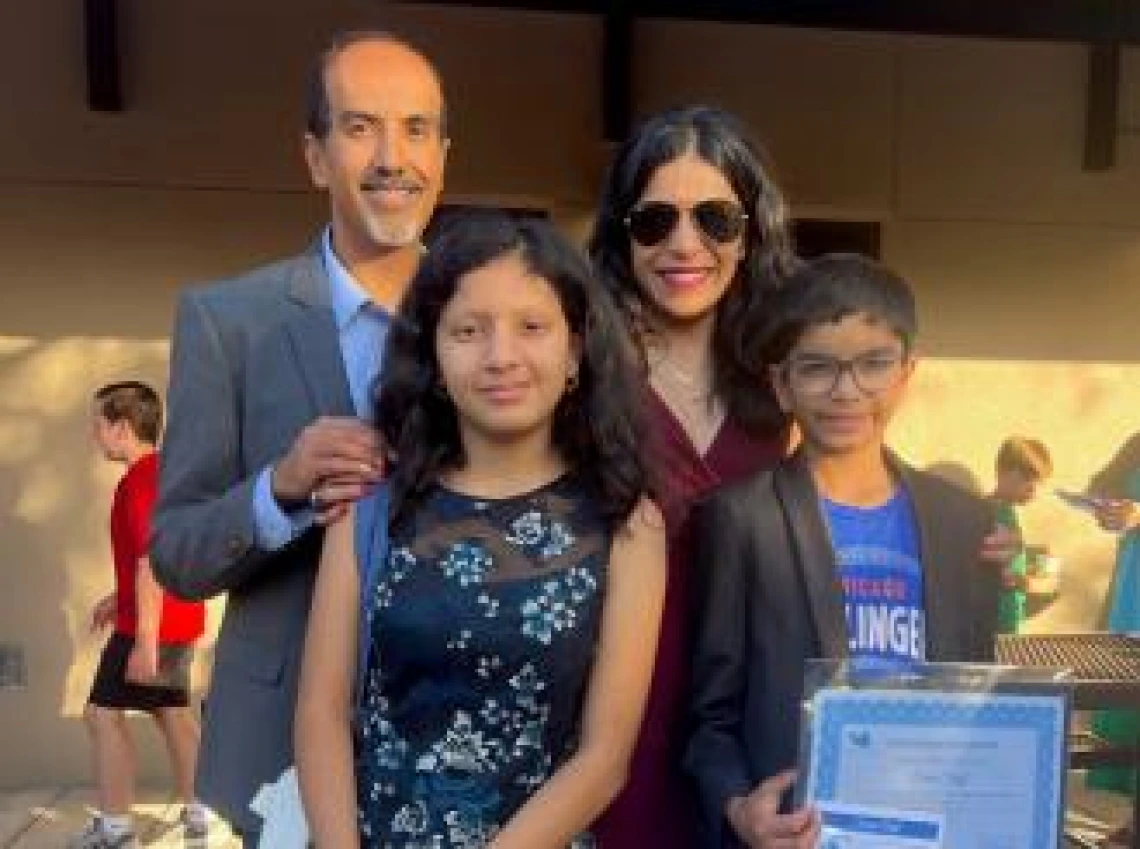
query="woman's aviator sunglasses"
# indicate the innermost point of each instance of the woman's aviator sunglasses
(651, 223)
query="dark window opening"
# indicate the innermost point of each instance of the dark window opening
(445, 212)
(818, 236)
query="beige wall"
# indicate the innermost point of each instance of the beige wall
(968, 151)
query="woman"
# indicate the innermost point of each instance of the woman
(690, 238)
(1118, 487)
(515, 613)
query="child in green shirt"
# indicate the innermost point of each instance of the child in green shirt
(1022, 463)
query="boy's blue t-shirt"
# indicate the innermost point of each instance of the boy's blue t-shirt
(880, 567)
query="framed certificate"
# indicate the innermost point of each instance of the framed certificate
(935, 755)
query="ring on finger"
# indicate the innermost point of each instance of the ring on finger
(315, 500)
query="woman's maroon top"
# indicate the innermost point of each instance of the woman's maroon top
(657, 807)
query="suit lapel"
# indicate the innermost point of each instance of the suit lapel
(813, 554)
(314, 338)
(937, 547)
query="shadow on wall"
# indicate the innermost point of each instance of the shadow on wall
(32, 620)
(55, 495)
(957, 474)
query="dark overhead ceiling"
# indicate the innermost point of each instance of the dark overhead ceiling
(1053, 20)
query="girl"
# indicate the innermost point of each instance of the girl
(515, 618)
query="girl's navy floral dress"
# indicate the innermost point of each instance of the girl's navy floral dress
(485, 621)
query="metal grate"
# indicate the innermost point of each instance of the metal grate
(1091, 657)
(13, 671)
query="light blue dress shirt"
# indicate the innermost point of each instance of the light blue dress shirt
(362, 328)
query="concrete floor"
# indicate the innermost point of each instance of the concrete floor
(44, 818)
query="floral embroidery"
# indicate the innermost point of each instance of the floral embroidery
(460, 642)
(389, 749)
(549, 538)
(466, 562)
(559, 541)
(492, 713)
(411, 818)
(464, 748)
(556, 608)
(399, 564)
(466, 830)
(527, 529)
(527, 686)
(487, 665)
(490, 605)
(531, 780)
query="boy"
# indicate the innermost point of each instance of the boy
(1021, 465)
(841, 551)
(146, 663)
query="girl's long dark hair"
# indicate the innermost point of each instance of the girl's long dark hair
(717, 138)
(597, 424)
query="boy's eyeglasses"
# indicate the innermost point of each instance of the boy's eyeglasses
(651, 223)
(818, 376)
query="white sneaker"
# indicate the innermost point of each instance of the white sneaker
(195, 821)
(96, 836)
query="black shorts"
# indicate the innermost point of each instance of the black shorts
(112, 689)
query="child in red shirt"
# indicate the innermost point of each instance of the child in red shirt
(146, 662)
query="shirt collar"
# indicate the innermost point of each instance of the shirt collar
(346, 295)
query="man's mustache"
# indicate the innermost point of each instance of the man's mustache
(389, 180)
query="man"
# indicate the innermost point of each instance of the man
(269, 401)
(145, 665)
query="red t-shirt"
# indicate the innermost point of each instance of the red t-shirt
(179, 621)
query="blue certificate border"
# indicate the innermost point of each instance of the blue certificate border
(1045, 715)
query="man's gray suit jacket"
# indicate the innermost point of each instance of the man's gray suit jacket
(254, 360)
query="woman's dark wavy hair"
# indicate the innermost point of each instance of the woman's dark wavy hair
(719, 139)
(597, 423)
